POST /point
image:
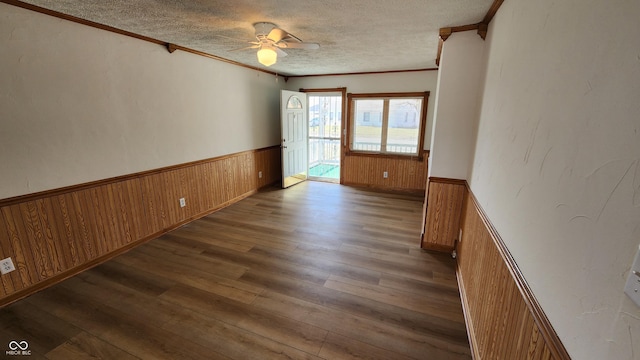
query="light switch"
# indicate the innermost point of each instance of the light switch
(632, 287)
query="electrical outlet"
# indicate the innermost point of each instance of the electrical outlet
(183, 202)
(6, 266)
(259, 174)
(385, 175)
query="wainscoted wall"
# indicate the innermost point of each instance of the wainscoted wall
(503, 318)
(55, 234)
(405, 174)
(443, 205)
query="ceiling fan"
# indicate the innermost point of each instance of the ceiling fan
(271, 41)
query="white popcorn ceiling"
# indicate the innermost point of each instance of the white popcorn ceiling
(354, 35)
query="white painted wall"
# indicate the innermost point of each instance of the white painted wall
(79, 104)
(457, 105)
(418, 81)
(557, 161)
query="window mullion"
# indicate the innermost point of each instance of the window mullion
(385, 125)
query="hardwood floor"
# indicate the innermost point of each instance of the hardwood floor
(317, 271)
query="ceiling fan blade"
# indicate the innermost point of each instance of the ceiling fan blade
(280, 52)
(277, 34)
(301, 45)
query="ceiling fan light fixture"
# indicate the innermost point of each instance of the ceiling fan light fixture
(267, 56)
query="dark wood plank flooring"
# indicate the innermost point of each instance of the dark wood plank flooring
(317, 271)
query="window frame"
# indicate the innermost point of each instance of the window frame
(351, 98)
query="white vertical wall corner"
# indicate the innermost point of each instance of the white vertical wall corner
(460, 78)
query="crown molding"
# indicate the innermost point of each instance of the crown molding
(480, 27)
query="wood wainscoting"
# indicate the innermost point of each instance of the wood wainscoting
(55, 234)
(504, 320)
(406, 174)
(443, 205)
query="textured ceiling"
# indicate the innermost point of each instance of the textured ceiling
(354, 35)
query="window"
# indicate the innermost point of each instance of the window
(388, 124)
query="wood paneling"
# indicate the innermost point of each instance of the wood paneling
(55, 234)
(442, 213)
(405, 173)
(504, 320)
(316, 271)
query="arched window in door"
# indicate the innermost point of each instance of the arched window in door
(294, 103)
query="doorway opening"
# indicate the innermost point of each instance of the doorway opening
(324, 134)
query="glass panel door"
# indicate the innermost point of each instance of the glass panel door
(325, 126)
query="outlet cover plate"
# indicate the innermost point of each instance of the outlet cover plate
(632, 286)
(6, 266)
(183, 202)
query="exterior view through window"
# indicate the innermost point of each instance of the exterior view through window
(325, 126)
(387, 123)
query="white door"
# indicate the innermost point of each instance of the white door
(293, 115)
